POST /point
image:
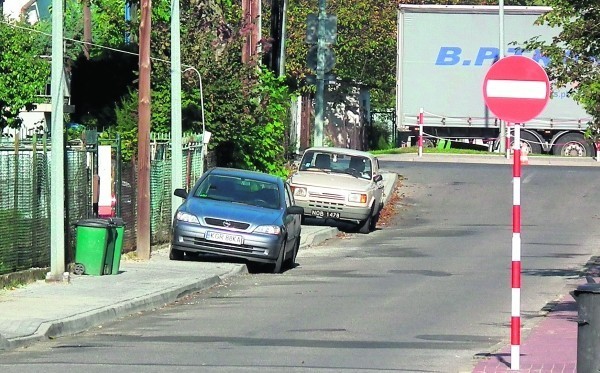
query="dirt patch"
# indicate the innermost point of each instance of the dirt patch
(390, 209)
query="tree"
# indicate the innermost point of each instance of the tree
(574, 53)
(366, 43)
(23, 73)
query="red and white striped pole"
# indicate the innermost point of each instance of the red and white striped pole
(507, 146)
(420, 132)
(515, 320)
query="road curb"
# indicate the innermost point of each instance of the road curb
(84, 321)
(319, 236)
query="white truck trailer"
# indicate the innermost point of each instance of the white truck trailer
(444, 53)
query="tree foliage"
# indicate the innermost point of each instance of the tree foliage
(574, 53)
(366, 40)
(366, 43)
(245, 107)
(23, 73)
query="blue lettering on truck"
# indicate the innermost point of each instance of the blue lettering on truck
(452, 56)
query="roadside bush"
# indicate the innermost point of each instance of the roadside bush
(379, 136)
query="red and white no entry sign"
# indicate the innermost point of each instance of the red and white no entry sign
(516, 89)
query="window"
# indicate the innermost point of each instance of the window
(289, 200)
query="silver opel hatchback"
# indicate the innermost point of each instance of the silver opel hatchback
(237, 213)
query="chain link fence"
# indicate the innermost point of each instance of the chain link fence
(25, 198)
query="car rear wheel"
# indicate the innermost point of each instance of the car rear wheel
(278, 266)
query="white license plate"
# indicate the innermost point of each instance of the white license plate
(224, 237)
(325, 214)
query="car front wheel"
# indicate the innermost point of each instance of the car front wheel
(278, 266)
(365, 226)
(175, 254)
(290, 262)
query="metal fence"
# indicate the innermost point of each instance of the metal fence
(25, 198)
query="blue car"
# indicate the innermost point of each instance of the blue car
(238, 213)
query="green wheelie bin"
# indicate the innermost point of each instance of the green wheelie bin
(115, 245)
(92, 240)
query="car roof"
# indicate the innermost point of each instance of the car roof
(255, 175)
(342, 151)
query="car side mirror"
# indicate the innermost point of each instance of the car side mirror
(295, 210)
(180, 193)
(377, 178)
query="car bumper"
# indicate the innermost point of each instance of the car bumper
(350, 213)
(254, 247)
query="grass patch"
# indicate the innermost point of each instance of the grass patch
(15, 280)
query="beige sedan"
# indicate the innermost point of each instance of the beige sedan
(340, 184)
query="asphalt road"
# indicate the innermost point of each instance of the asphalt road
(425, 294)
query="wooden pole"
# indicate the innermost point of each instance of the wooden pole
(143, 195)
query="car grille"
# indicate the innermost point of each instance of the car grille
(202, 243)
(329, 205)
(220, 223)
(336, 197)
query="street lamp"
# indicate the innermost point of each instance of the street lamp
(205, 138)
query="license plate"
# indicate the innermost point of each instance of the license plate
(325, 214)
(224, 237)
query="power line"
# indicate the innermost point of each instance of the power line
(83, 42)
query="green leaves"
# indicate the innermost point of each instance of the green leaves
(574, 53)
(366, 43)
(23, 73)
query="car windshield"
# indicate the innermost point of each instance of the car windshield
(355, 165)
(239, 190)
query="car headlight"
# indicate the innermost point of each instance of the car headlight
(299, 191)
(357, 197)
(188, 218)
(268, 229)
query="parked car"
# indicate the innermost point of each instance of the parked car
(341, 184)
(237, 213)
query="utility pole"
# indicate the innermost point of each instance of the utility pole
(503, 130)
(57, 157)
(176, 130)
(320, 96)
(251, 10)
(143, 168)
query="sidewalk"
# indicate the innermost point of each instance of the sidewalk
(43, 310)
(549, 348)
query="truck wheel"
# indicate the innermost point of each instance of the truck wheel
(572, 145)
(531, 142)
